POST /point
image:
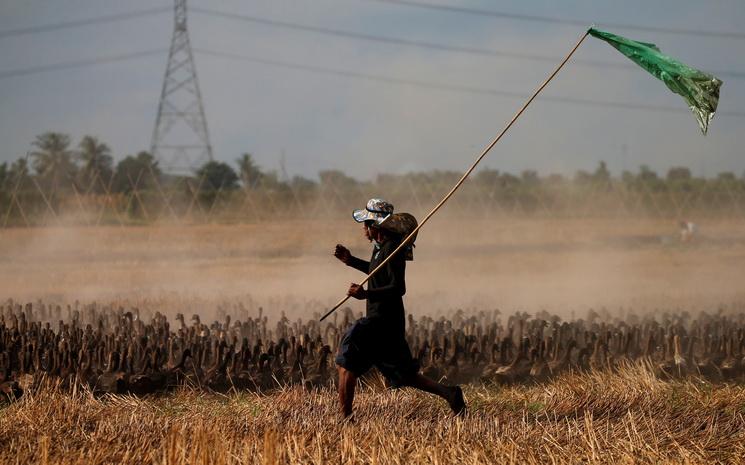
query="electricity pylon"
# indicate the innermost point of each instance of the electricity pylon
(180, 141)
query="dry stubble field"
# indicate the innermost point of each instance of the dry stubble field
(562, 266)
(604, 418)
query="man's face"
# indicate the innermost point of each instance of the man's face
(375, 234)
(367, 231)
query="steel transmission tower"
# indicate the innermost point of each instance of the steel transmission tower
(180, 141)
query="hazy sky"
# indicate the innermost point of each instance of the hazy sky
(362, 126)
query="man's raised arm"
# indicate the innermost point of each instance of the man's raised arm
(343, 254)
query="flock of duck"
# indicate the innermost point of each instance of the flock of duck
(115, 350)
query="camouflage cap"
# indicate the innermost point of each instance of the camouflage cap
(376, 210)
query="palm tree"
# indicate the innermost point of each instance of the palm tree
(53, 159)
(97, 164)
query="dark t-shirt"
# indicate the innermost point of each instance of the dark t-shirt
(386, 288)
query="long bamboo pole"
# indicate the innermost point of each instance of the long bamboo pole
(465, 175)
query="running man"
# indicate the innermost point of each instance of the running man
(379, 338)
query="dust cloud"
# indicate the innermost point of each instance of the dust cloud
(564, 266)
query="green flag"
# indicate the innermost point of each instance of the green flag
(700, 90)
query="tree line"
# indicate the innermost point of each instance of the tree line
(54, 170)
(54, 164)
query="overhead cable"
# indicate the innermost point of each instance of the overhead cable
(424, 44)
(79, 63)
(555, 20)
(445, 86)
(83, 22)
(350, 74)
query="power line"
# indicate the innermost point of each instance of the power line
(555, 20)
(444, 86)
(358, 36)
(355, 75)
(79, 63)
(424, 44)
(82, 22)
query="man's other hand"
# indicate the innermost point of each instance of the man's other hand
(342, 253)
(357, 291)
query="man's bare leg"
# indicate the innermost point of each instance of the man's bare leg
(452, 394)
(347, 383)
(423, 383)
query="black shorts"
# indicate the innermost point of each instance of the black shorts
(368, 343)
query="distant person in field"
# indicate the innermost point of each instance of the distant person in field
(379, 338)
(688, 231)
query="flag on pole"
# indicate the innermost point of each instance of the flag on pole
(700, 90)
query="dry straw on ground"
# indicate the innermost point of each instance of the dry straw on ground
(624, 417)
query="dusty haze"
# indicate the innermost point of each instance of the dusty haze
(564, 266)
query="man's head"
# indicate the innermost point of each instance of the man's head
(375, 212)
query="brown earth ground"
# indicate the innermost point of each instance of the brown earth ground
(561, 265)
